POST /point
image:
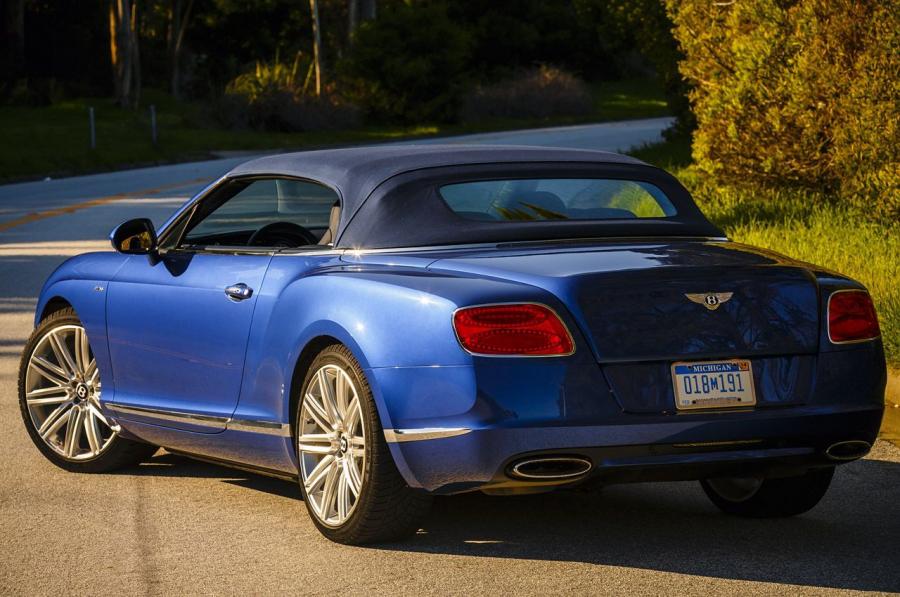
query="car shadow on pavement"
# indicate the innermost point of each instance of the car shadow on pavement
(166, 464)
(850, 541)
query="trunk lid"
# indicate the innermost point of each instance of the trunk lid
(630, 299)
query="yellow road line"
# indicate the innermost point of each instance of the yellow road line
(59, 211)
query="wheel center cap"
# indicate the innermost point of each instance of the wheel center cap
(344, 445)
(81, 391)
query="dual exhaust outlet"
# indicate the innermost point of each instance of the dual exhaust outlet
(550, 468)
(848, 450)
(561, 468)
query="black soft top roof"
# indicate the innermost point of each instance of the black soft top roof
(369, 219)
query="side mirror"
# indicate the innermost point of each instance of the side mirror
(134, 237)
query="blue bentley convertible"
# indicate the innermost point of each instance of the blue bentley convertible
(384, 324)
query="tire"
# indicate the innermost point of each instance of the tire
(50, 395)
(340, 444)
(771, 498)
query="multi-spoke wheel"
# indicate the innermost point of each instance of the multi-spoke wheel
(332, 445)
(59, 394)
(351, 486)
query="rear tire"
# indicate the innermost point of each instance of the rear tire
(340, 443)
(59, 398)
(770, 498)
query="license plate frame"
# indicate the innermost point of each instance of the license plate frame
(693, 393)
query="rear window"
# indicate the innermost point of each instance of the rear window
(519, 200)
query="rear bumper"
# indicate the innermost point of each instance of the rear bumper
(640, 448)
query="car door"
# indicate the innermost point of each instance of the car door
(178, 324)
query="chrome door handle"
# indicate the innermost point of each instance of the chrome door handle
(239, 292)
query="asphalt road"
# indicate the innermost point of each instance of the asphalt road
(177, 526)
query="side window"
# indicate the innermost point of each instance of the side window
(264, 213)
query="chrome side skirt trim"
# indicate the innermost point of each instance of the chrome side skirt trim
(168, 415)
(247, 425)
(265, 427)
(394, 436)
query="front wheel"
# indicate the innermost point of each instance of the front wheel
(754, 497)
(352, 489)
(59, 397)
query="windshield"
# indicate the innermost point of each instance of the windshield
(544, 199)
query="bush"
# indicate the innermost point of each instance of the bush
(274, 97)
(281, 111)
(408, 65)
(539, 93)
(800, 92)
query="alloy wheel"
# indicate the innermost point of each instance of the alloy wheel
(62, 393)
(331, 442)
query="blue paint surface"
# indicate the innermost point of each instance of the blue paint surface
(166, 336)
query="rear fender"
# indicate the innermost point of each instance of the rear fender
(388, 317)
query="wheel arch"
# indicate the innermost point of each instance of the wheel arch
(52, 305)
(301, 366)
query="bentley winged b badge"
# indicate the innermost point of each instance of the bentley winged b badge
(710, 300)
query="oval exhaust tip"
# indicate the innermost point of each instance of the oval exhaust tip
(848, 450)
(548, 468)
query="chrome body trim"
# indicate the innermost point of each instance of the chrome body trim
(351, 252)
(246, 425)
(168, 415)
(394, 436)
(264, 427)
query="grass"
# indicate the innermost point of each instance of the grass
(54, 140)
(803, 225)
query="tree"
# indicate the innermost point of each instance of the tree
(409, 65)
(317, 44)
(800, 92)
(13, 34)
(179, 17)
(356, 10)
(123, 45)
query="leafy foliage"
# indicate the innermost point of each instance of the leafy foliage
(802, 92)
(537, 93)
(277, 96)
(628, 28)
(409, 64)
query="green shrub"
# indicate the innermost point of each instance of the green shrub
(538, 93)
(277, 96)
(408, 65)
(270, 79)
(797, 92)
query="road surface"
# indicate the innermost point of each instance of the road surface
(177, 526)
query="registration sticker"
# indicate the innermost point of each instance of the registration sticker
(713, 384)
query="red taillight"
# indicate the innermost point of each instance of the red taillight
(515, 329)
(851, 317)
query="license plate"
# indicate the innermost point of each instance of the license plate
(713, 384)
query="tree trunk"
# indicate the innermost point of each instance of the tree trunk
(317, 44)
(352, 19)
(123, 46)
(368, 10)
(179, 17)
(12, 63)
